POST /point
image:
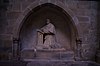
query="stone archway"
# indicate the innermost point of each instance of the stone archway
(37, 18)
(28, 10)
(71, 32)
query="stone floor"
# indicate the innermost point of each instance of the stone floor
(48, 63)
(12, 63)
(62, 63)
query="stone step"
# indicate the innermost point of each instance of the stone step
(62, 63)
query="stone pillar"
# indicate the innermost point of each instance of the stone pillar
(78, 49)
(16, 49)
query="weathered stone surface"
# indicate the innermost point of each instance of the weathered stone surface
(61, 63)
(13, 15)
(53, 1)
(43, 1)
(84, 18)
(84, 5)
(87, 12)
(14, 6)
(12, 63)
(82, 12)
(88, 51)
(47, 54)
(5, 37)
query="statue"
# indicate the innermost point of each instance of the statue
(46, 36)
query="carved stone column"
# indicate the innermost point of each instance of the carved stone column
(78, 49)
(16, 49)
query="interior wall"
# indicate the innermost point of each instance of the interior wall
(12, 13)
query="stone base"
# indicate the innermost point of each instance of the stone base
(49, 54)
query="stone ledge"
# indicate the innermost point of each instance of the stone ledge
(52, 50)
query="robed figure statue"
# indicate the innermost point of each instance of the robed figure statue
(46, 36)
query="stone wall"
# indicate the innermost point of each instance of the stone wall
(84, 11)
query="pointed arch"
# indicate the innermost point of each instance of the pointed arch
(60, 7)
(20, 20)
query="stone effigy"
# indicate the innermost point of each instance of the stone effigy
(46, 36)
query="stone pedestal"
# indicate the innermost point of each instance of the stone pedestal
(47, 54)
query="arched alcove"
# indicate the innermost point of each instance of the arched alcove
(35, 18)
(65, 30)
